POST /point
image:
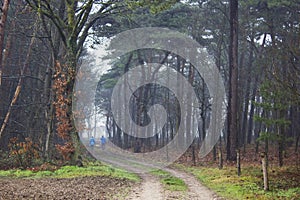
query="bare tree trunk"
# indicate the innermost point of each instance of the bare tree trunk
(238, 163)
(193, 154)
(232, 141)
(251, 115)
(20, 81)
(220, 154)
(214, 153)
(297, 141)
(245, 123)
(2, 30)
(265, 171)
(281, 140)
(189, 108)
(48, 111)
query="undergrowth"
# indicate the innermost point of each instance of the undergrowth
(90, 169)
(226, 183)
(170, 182)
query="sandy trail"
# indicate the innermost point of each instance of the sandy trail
(195, 189)
(149, 189)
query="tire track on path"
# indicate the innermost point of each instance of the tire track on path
(150, 188)
(196, 190)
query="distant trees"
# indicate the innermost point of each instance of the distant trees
(41, 43)
(254, 50)
(24, 63)
(61, 27)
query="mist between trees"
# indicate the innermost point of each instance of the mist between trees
(254, 44)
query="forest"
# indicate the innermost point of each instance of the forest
(49, 107)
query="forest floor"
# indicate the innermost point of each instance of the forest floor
(151, 188)
(93, 187)
(104, 182)
(102, 187)
(284, 182)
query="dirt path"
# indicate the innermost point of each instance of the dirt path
(196, 190)
(151, 188)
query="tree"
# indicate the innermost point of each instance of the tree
(73, 28)
(4, 10)
(25, 60)
(274, 104)
(73, 32)
(232, 135)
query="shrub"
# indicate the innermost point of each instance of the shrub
(22, 153)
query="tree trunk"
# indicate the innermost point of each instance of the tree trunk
(245, 123)
(4, 10)
(214, 153)
(193, 154)
(265, 171)
(189, 108)
(232, 141)
(297, 118)
(251, 115)
(238, 163)
(281, 139)
(20, 81)
(220, 154)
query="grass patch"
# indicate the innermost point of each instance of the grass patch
(170, 182)
(249, 185)
(91, 169)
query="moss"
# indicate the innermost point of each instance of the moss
(94, 169)
(249, 185)
(170, 182)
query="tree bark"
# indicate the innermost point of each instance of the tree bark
(2, 30)
(265, 171)
(238, 163)
(246, 122)
(20, 81)
(220, 154)
(232, 141)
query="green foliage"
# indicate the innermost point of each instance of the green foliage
(249, 185)
(170, 182)
(109, 83)
(41, 174)
(274, 101)
(23, 173)
(267, 136)
(92, 169)
(154, 6)
(16, 173)
(269, 3)
(174, 184)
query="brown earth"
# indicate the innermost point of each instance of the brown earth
(93, 187)
(97, 187)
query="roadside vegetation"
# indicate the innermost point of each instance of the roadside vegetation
(284, 182)
(94, 180)
(249, 185)
(89, 169)
(170, 182)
